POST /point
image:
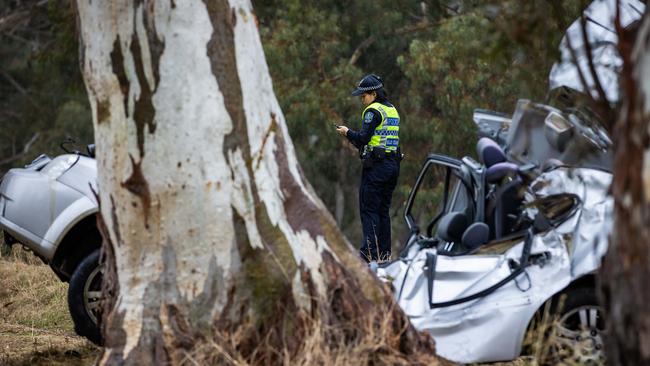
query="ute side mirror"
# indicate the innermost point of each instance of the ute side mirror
(558, 131)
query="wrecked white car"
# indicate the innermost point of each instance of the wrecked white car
(492, 242)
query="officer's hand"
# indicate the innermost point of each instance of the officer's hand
(342, 130)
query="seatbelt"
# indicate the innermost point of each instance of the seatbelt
(498, 211)
(431, 273)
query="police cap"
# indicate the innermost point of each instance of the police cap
(368, 83)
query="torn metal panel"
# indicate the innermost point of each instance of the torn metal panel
(593, 221)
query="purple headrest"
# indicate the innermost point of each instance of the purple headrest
(489, 152)
(500, 170)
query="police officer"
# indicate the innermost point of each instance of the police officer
(378, 144)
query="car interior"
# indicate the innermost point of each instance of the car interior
(483, 204)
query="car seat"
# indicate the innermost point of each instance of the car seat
(454, 227)
(504, 199)
(489, 152)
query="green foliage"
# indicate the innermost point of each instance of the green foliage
(486, 58)
(309, 48)
(486, 55)
(41, 91)
(452, 75)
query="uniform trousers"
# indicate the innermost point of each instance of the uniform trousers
(378, 181)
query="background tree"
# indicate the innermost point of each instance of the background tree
(222, 252)
(42, 99)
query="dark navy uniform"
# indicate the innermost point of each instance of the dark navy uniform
(378, 143)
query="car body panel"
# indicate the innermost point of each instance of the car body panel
(34, 200)
(82, 176)
(39, 204)
(74, 213)
(23, 236)
(529, 138)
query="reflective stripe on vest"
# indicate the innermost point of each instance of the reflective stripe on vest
(387, 133)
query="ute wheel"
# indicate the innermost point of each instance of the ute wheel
(85, 298)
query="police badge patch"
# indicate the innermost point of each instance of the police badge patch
(368, 117)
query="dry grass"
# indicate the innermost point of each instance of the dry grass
(374, 343)
(35, 326)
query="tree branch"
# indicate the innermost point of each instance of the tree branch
(360, 48)
(18, 38)
(19, 87)
(31, 141)
(590, 60)
(13, 82)
(400, 31)
(450, 9)
(13, 18)
(574, 58)
(26, 148)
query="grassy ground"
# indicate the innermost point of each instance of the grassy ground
(35, 326)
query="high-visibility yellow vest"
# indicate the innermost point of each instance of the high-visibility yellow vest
(387, 132)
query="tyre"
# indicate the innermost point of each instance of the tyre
(85, 298)
(571, 330)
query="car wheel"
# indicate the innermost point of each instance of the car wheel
(85, 298)
(578, 332)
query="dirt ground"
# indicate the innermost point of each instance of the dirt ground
(35, 326)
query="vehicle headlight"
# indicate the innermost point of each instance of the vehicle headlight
(59, 166)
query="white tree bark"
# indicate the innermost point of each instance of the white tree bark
(200, 189)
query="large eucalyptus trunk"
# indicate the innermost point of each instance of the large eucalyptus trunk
(626, 269)
(221, 249)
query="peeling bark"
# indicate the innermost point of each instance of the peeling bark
(222, 251)
(137, 184)
(117, 63)
(143, 114)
